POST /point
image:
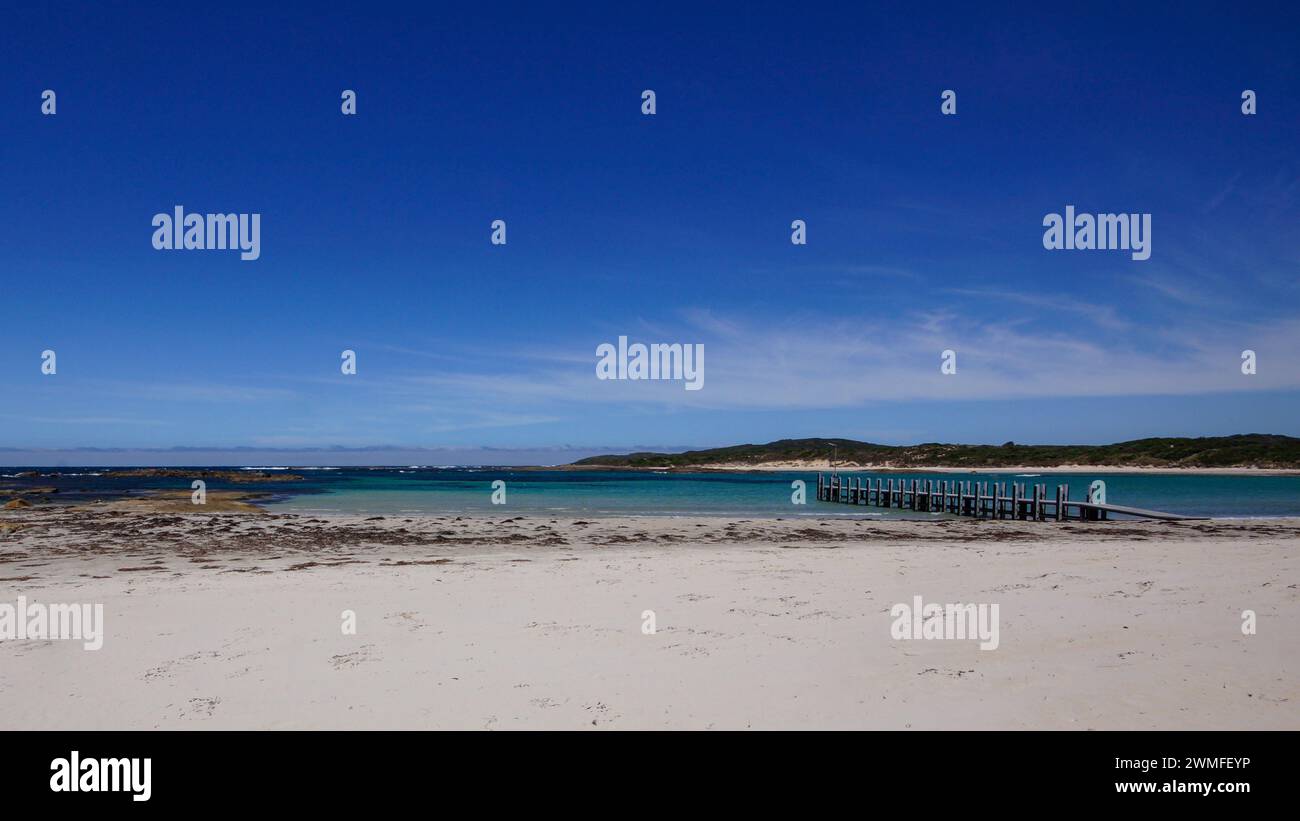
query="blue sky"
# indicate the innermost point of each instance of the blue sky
(924, 231)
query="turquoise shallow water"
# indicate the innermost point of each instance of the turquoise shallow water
(388, 491)
(603, 493)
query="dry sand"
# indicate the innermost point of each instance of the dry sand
(232, 620)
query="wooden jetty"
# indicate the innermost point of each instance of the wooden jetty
(985, 500)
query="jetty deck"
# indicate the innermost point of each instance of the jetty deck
(985, 500)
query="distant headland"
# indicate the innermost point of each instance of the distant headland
(1253, 451)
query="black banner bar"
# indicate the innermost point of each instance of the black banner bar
(334, 770)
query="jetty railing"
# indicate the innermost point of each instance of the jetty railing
(984, 500)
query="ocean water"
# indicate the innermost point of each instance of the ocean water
(426, 490)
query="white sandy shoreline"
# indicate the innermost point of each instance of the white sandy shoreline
(232, 621)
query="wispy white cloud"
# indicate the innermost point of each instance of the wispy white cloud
(1103, 316)
(800, 362)
(835, 364)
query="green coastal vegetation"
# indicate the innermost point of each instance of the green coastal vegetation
(1252, 450)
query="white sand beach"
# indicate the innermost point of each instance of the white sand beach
(233, 620)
